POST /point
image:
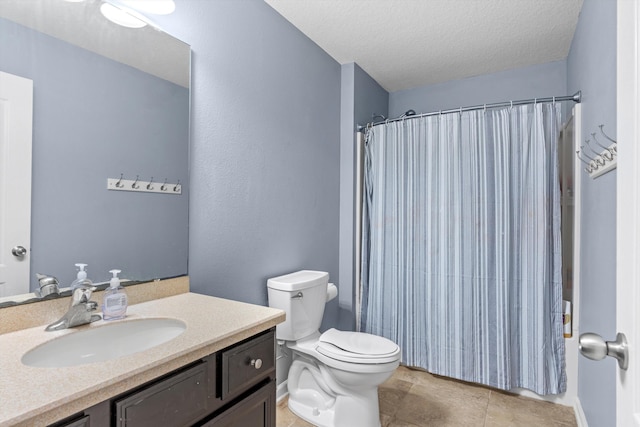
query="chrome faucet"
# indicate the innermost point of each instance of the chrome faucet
(79, 312)
(48, 285)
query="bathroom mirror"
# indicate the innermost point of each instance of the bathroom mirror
(108, 101)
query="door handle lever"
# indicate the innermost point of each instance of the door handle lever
(593, 347)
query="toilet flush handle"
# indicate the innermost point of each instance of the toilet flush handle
(299, 295)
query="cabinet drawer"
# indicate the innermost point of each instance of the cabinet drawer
(179, 400)
(255, 410)
(247, 364)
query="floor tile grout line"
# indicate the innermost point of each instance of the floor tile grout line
(486, 410)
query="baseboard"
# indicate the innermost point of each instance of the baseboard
(581, 419)
(282, 391)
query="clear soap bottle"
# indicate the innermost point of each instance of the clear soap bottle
(114, 305)
(81, 278)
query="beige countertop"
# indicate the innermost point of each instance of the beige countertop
(32, 396)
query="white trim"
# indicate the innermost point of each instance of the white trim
(282, 391)
(628, 208)
(581, 419)
(358, 227)
(577, 224)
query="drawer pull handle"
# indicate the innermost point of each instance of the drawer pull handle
(256, 363)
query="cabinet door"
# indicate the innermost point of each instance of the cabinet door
(256, 410)
(78, 422)
(179, 400)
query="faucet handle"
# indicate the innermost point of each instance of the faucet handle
(82, 294)
(92, 306)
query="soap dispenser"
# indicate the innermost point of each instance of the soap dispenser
(115, 301)
(81, 278)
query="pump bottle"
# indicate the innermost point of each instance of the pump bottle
(81, 278)
(115, 299)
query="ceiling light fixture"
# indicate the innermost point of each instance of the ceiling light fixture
(120, 17)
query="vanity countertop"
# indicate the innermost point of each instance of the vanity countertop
(31, 396)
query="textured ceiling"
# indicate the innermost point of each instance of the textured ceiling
(82, 24)
(404, 44)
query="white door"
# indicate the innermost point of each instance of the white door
(16, 105)
(628, 209)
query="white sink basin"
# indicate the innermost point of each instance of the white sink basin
(103, 343)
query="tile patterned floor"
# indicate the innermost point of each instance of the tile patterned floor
(414, 398)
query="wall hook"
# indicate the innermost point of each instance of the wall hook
(605, 160)
(586, 142)
(610, 151)
(137, 185)
(605, 135)
(586, 155)
(599, 159)
(586, 162)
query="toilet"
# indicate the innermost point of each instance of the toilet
(334, 376)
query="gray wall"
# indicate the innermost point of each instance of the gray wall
(536, 81)
(361, 97)
(95, 118)
(265, 149)
(591, 67)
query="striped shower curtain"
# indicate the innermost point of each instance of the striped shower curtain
(461, 260)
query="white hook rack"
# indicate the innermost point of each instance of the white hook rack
(121, 184)
(604, 161)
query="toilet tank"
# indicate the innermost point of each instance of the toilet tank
(302, 295)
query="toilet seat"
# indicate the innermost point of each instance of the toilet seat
(357, 347)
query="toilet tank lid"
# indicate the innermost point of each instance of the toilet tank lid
(299, 280)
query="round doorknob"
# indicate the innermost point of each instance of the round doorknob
(592, 346)
(19, 251)
(256, 363)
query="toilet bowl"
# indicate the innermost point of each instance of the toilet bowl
(334, 376)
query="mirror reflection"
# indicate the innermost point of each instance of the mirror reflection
(108, 101)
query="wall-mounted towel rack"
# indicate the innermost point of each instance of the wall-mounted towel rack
(600, 160)
(121, 184)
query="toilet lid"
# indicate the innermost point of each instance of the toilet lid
(357, 347)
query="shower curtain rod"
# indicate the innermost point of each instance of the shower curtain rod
(576, 97)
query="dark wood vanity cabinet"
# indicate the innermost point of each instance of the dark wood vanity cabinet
(232, 387)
